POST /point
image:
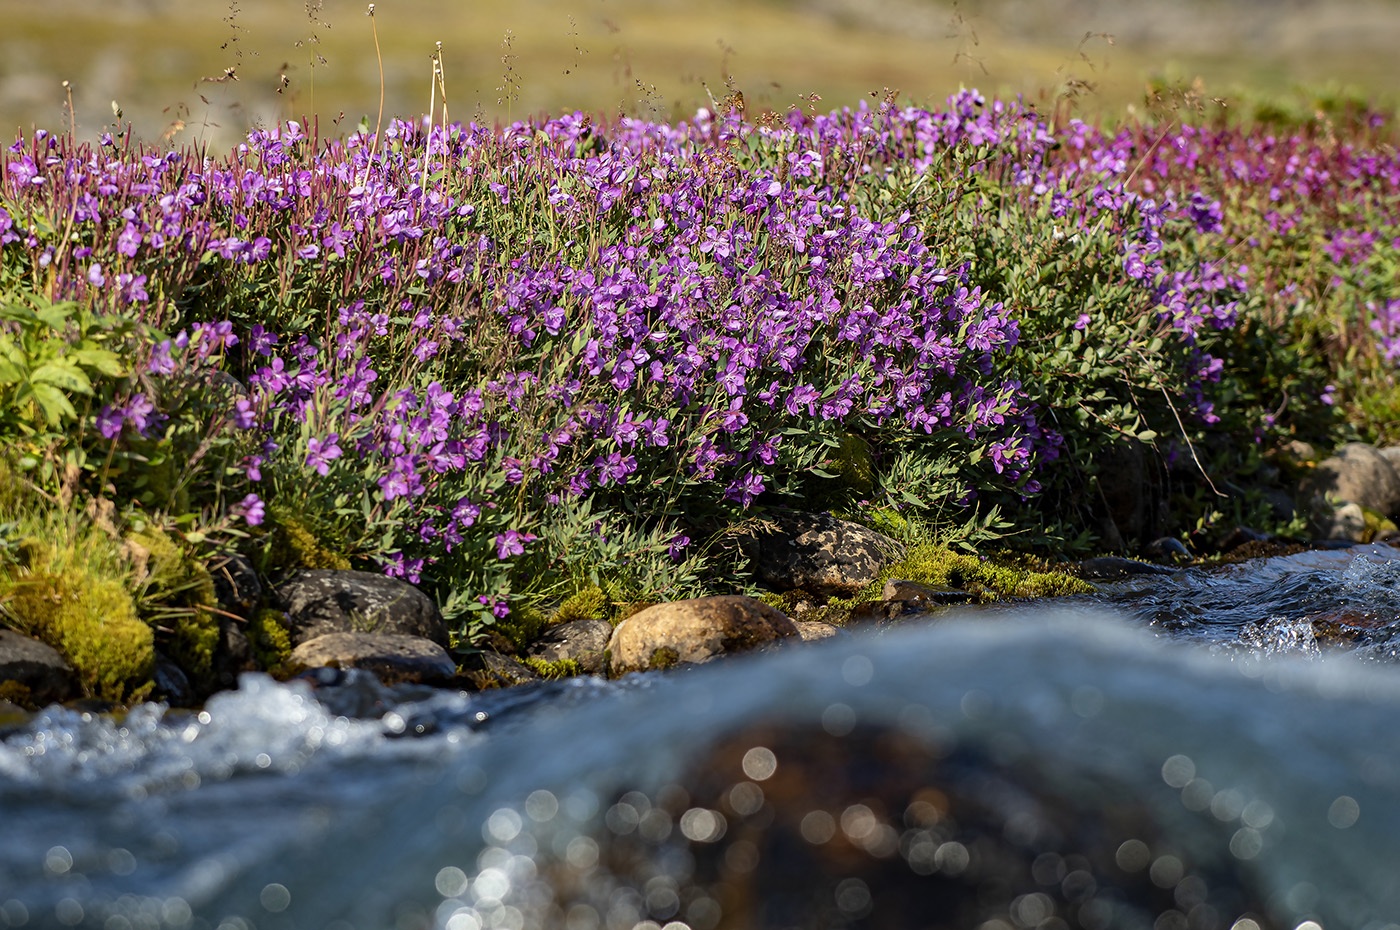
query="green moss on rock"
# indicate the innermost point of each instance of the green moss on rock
(564, 668)
(268, 635)
(990, 579)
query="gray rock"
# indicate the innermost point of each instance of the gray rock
(38, 671)
(694, 631)
(321, 601)
(923, 595)
(812, 631)
(1345, 521)
(820, 554)
(581, 641)
(1359, 473)
(393, 658)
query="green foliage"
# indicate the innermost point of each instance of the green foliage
(48, 353)
(293, 542)
(177, 593)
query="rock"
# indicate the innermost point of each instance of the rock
(1109, 567)
(320, 601)
(487, 669)
(172, 684)
(887, 613)
(358, 693)
(1241, 535)
(1167, 549)
(581, 641)
(236, 585)
(234, 655)
(820, 554)
(32, 673)
(898, 589)
(786, 820)
(1357, 472)
(392, 657)
(812, 631)
(1345, 521)
(694, 631)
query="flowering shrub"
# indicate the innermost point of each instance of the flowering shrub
(493, 361)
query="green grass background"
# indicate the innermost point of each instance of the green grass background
(660, 58)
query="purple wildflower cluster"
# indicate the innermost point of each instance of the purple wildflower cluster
(454, 334)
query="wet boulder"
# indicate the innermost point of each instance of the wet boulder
(321, 601)
(1359, 473)
(581, 641)
(32, 673)
(820, 553)
(694, 631)
(393, 658)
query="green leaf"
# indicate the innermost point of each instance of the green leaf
(62, 374)
(54, 403)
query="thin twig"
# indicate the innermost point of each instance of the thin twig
(1189, 445)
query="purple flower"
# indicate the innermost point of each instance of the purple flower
(109, 422)
(745, 490)
(319, 454)
(678, 545)
(512, 543)
(251, 509)
(141, 412)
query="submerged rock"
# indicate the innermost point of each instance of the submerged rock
(694, 631)
(393, 658)
(1109, 567)
(792, 826)
(320, 601)
(820, 554)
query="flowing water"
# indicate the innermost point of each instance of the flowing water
(1210, 749)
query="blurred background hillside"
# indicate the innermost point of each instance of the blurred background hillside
(189, 70)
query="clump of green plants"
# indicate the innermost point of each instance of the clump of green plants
(177, 594)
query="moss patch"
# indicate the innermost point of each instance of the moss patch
(271, 642)
(564, 668)
(588, 604)
(93, 622)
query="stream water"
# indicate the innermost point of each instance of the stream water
(1209, 749)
